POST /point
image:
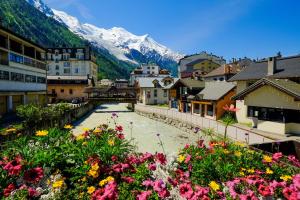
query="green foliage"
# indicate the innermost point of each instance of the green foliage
(40, 117)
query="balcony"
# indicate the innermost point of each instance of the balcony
(3, 42)
(13, 57)
(3, 58)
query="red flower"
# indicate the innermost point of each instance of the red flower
(128, 179)
(186, 190)
(119, 128)
(265, 190)
(152, 166)
(289, 193)
(13, 167)
(173, 182)
(230, 108)
(34, 175)
(161, 158)
(7, 191)
(144, 195)
(114, 158)
(277, 156)
(121, 136)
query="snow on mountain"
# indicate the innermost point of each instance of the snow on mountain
(117, 41)
(41, 6)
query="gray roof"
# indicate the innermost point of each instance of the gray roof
(147, 82)
(287, 86)
(287, 67)
(215, 90)
(67, 77)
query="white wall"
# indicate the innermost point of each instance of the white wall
(161, 99)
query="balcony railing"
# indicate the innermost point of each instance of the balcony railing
(14, 57)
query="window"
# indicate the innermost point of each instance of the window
(148, 67)
(17, 77)
(15, 58)
(67, 64)
(155, 93)
(196, 108)
(56, 60)
(4, 75)
(30, 79)
(221, 79)
(210, 110)
(76, 71)
(165, 93)
(274, 114)
(153, 67)
(148, 94)
(41, 80)
(62, 90)
(70, 91)
(155, 102)
(57, 67)
(148, 72)
(67, 71)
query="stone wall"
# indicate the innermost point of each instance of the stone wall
(187, 127)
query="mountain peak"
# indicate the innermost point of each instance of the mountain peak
(41, 6)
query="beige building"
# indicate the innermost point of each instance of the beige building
(154, 91)
(22, 72)
(268, 95)
(70, 70)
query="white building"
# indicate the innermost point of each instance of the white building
(153, 90)
(150, 70)
(22, 72)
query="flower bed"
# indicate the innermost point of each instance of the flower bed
(98, 164)
(232, 171)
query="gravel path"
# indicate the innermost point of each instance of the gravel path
(144, 130)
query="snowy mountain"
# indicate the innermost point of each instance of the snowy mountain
(117, 41)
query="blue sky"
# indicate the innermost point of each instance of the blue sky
(229, 28)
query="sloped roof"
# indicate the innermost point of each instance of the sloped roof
(287, 67)
(147, 82)
(223, 70)
(215, 90)
(190, 83)
(289, 87)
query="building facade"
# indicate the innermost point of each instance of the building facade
(150, 70)
(210, 102)
(268, 94)
(153, 91)
(22, 72)
(70, 70)
(198, 65)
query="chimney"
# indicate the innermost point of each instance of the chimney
(271, 66)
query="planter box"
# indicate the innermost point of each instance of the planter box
(290, 147)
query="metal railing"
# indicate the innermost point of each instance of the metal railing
(233, 132)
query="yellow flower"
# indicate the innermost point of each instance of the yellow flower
(95, 167)
(251, 151)
(68, 126)
(11, 130)
(85, 129)
(111, 142)
(105, 181)
(215, 186)
(181, 158)
(83, 179)
(84, 143)
(41, 133)
(267, 159)
(91, 190)
(242, 174)
(80, 137)
(250, 171)
(237, 153)
(286, 177)
(58, 184)
(243, 169)
(240, 144)
(93, 173)
(97, 130)
(226, 151)
(269, 171)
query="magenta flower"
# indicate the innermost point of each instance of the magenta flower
(161, 158)
(144, 195)
(188, 158)
(152, 166)
(34, 175)
(128, 179)
(186, 190)
(148, 183)
(277, 156)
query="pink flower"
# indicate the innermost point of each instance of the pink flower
(146, 156)
(230, 108)
(200, 193)
(188, 158)
(144, 195)
(161, 158)
(159, 185)
(265, 190)
(277, 156)
(128, 179)
(7, 191)
(290, 194)
(187, 146)
(186, 190)
(173, 182)
(164, 193)
(34, 175)
(119, 128)
(114, 158)
(109, 192)
(148, 183)
(296, 181)
(32, 192)
(152, 166)
(121, 136)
